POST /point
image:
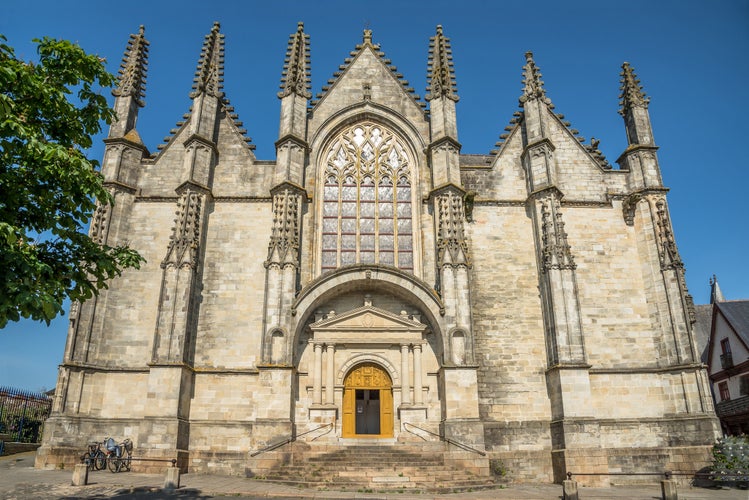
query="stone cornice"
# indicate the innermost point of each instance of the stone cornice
(633, 148)
(126, 142)
(648, 369)
(120, 186)
(444, 140)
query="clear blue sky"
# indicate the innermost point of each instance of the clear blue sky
(692, 58)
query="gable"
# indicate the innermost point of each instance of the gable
(366, 78)
(367, 325)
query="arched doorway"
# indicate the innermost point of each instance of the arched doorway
(367, 402)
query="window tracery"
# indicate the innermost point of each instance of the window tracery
(367, 207)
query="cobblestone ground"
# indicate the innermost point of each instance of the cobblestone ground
(20, 481)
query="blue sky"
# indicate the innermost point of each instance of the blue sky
(692, 58)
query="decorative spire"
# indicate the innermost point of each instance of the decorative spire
(440, 68)
(716, 295)
(632, 94)
(533, 86)
(132, 72)
(295, 78)
(209, 75)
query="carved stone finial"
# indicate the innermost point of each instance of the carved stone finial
(132, 81)
(533, 86)
(632, 94)
(209, 75)
(440, 68)
(295, 78)
(367, 37)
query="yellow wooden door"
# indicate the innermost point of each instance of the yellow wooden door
(349, 417)
(372, 377)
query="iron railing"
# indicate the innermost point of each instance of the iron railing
(289, 439)
(444, 438)
(22, 414)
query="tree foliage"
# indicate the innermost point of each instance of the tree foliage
(49, 112)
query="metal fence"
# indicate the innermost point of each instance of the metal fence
(22, 414)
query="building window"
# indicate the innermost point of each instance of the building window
(367, 200)
(726, 359)
(724, 394)
(744, 385)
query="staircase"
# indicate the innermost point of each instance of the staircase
(423, 467)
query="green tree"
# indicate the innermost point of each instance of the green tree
(49, 112)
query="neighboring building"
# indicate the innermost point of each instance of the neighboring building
(529, 302)
(728, 361)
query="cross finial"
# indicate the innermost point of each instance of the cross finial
(367, 38)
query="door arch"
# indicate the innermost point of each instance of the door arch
(367, 402)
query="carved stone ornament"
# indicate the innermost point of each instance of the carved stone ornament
(100, 223)
(185, 240)
(667, 251)
(629, 206)
(555, 251)
(283, 249)
(452, 248)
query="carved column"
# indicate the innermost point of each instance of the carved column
(405, 388)
(317, 374)
(175, 323)
(418, 385)
(282, 266)
(330, 374)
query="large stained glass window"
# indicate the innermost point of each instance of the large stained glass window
(367, 210)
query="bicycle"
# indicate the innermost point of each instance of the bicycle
(94, 457)
(119, 455)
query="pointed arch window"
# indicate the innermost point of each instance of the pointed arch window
(367, 206)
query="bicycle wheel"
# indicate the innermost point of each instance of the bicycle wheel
(126, 463)
(114, 464)
(100, 460)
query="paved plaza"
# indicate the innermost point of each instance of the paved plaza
(20, 481)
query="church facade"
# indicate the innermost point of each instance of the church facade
(372, 283)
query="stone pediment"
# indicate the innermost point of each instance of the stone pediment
(368, 325)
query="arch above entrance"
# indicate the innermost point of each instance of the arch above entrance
(368, 277)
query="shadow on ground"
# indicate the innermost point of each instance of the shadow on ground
(144, 493)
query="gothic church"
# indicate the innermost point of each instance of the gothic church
(372, 284)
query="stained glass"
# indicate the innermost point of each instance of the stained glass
(367, 192)
(330, 225)
(348, 209)
(367, 242)
(404, 244)
(331, 193)
(328, 259)
(404, 226)
(366, 226)
(387, 258)
(348, 242)
(329, 241)
(367, 210)
(348, 258)
(330, 208)
(348, 226)
(358, 211)
(405, 260)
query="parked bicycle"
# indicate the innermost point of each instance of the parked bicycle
(119, 455)
(94, 456)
